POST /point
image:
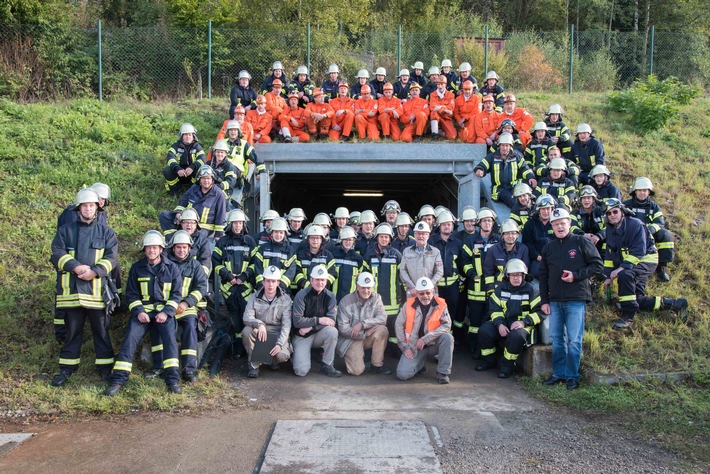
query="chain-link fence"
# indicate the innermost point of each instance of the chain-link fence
(41, 62)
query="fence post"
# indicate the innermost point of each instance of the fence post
(399, 48)
(485, 54)
(653, 37)
(571, 54)
(101, 79)
(308, 46)
(209, 59)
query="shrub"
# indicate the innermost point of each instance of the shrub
(599, 74)
(651, 103)
(534, 72)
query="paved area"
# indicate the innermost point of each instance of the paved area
(478, 423)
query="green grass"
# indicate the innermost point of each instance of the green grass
(48, 151)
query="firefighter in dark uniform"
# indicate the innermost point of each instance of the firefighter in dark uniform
(431, 86)
(402, 238)
(226, 173)
(277, 73)
(588, 218)
(473, 254)
(194, 292)
(366, 237)
(184, 159)
(450, 249)
(348, 263)
(303, 86)
(501, 253)
(538, 231)
(331, 85)
(84, 253)
(600, 180)
(587, 151)
(465, 75)
(557, 184)
(491, 87)
(242, 93)
(276, 251)
(631, 257)
(312, 254)
(536, 149)
(153, 291)
(649, 212)
(515, 312)
(523, 208)
(558, 132)
(295, 218)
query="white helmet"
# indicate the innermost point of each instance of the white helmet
(390, 205)
(384, 229)
(302, 70)
(418, 65)
(424, 284)
(505, 138)
(545, 200)
(355, 218)
(468, 214)
(521, 189)
(445, 216)
(557, 164)
(559, 213)
(434, 70)
(187, 128)
(279, 223)
(316, 230)
(363, 73)
(221, 145)
(446, 63)
(380, 71)
(269, 215)
(272, 272)
(583, 128)
(341, 213)
(539, 126)
(244, 74)
(190, 214)
(642, 183)
(465, 67)
(347, 232)
(319, 271)
(205, 171)
(422, 226)
(102, 190)
(277, 65)
(554, 109)
(599, 169)
(404, 72)
(509, 225)
(515, 265)
(333, 68)
(368, 216)
(426, 210)
(322, 219)
(492, 75)
(403, 219)
(181, 237)
(486, 212)
(87, 195)
(296, 214)
(232, 124)
(237, 215)
(153, 237)
(365, 280)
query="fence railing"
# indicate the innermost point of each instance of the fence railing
(44, 62)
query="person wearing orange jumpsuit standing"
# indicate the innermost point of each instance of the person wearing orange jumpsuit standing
(319, 115)
(366, 115)
(390, 110)
(415, 113)
(261, 121)
(344, 107)
(522, 118)
(487, 122)
(466, 108)
(275, 103)
(441, 111)
(293, 121)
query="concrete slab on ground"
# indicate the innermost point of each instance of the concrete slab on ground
(344, 446)
(9, 441)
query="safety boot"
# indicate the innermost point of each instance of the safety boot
(61, 378)
(113, 389)
(662, 274)
(174, 388)
(623, 323)
(330, 371)
(678, 305)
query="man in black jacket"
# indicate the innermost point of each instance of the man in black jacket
(567, 264)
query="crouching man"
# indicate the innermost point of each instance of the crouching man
(362, 324)
(267, 315)
(314, 312)
(423, 326)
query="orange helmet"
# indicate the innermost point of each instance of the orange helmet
(365, 90)
(277, 82)
(343, 84)
(467, 85)
(317, 92)
(510, 98)
(415, 85)
(293, 94)
(260, 99)
(488, 98)
(442, 79)
(388, 87)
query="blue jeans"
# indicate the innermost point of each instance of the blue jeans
(566, 332)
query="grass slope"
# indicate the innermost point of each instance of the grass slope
(48, 151)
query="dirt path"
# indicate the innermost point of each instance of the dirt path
(485, 425)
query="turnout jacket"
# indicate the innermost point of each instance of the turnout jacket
(241, 151)
(588, 154)
(496, 258)
(498, 95)
(200, 250)
(305, 260)
(384, 266)
(194, 285)
(399, 245)
(563, 189)
(227, 175)
(352, 310)
(152, 289)
(648, 212)
(70, 214)
(231, 257)
(308, 306)
(275, 315)
(627, 245)
(210, 206)
(536, 235)
(330, 89)
(450, 251)
(242, 95)
(182, 156)
(521, 214)
(280, 254)
(606, 190)
(506, 172)
(510, 303)
(81, 243)
(401, 91)
(576, 254)
(348, 265)
(473, 255)
(536, 154)
(269, 80)
(584, 222)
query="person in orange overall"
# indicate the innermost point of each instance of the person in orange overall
(390, 110)
(261, 121)
(318, 115)
(467, 107)
(366, 115)
(275, 103)
(344, 107)
(523, 120)
(487, 122)
(293, 121)
(441, 111)
(415, 113)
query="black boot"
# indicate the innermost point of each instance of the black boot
(662, 273)
(678, 305)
